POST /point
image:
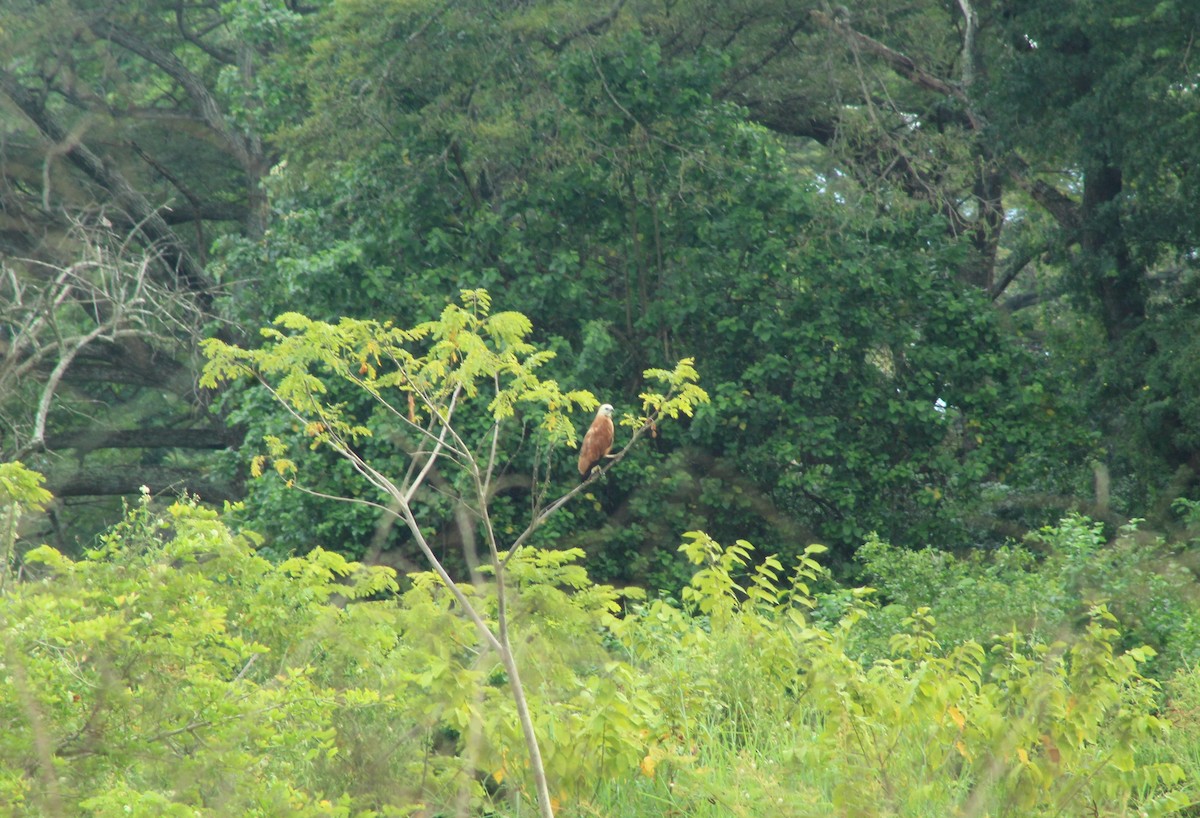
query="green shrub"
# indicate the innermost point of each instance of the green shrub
(173, 671)
(1025, 727)
(1044, 588)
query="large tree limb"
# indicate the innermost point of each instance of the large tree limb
(206, 211)
(594, 27)
(196, 38)
(902, 64)
(107, 481)
(122, 360)
(246, 149)
(1061, 207)
(970, 56)
(790, 116)
(776, 48)
(1013, 266)
(214, 437)
(135, 209)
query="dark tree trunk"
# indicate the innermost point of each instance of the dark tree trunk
(1115, 279)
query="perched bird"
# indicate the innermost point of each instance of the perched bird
(598, 441)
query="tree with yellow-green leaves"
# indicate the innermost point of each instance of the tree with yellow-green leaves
(450, 391)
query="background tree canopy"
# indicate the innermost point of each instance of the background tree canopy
(911, 287)
(935, 261)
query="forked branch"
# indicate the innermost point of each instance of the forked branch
(466, 349)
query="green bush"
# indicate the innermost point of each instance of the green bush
(1023, 727)
(173, 671)
(1044, 588)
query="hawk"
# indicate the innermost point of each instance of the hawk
(598, 441)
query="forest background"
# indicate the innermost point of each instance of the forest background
(935, 265)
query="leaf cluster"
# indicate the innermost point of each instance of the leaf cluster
(425, 367)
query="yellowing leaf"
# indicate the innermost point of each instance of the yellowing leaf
(956, 716)
(648, 765)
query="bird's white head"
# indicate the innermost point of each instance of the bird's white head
(606, 409)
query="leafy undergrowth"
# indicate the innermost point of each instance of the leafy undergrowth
(174, 672)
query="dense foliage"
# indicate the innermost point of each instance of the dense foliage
(932, 301)
(857, 385)
(174, 671)
(933, 263)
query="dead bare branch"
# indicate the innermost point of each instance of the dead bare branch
(55, 317)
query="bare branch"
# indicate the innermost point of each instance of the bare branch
(103, 308)
(458, 452)
(541, 516)
(64, 361)
(198, 210)
(407, 496)
(485, 486)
